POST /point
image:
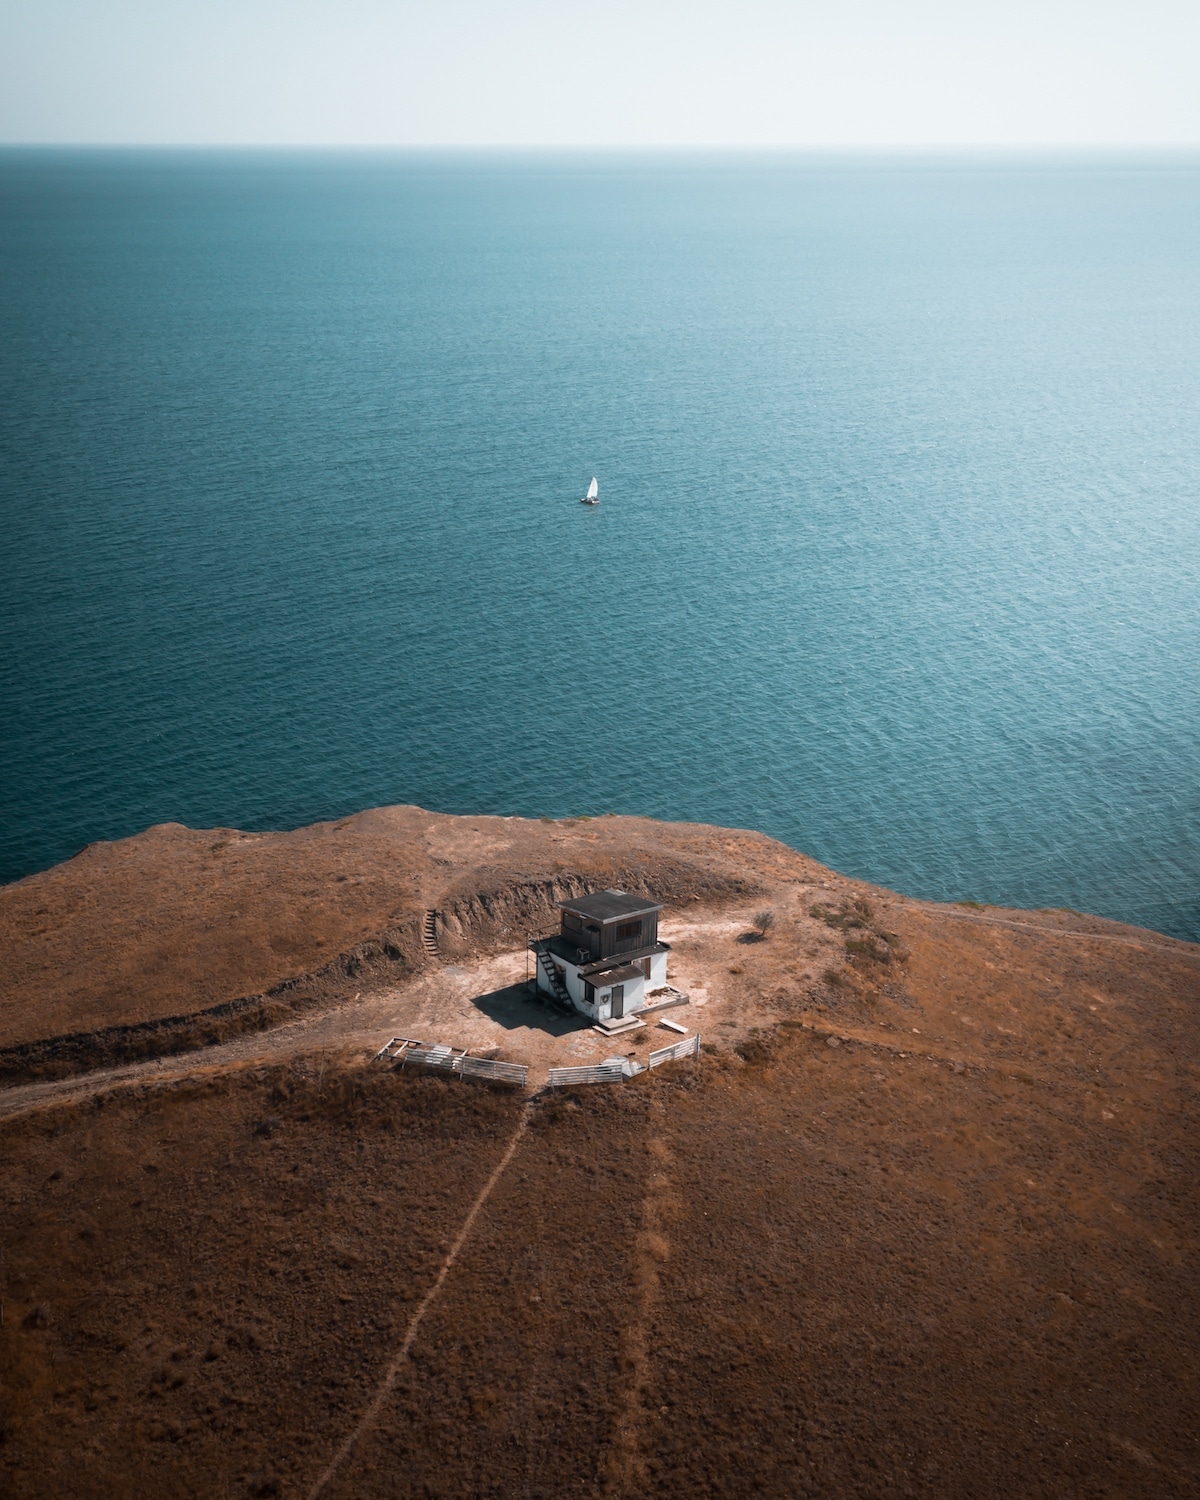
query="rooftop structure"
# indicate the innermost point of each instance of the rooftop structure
(610, 906)
(606, 958)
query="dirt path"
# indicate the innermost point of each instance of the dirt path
(440, 1007)
(480, 1006)
(371, 1415)
(1157, 943)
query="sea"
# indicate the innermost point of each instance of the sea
(898, 551)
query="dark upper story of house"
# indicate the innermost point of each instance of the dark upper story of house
(607, 924)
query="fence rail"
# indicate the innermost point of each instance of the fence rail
(490, 1067)
(689, 1047)
(605, 1072)
(405, 1050)
(395, 1045)
(614, 1069)
(452, 1060)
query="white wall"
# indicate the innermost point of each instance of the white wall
(635, 989)
(635, 997)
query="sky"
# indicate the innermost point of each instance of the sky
(560, 73)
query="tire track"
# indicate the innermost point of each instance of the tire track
(626, 1469)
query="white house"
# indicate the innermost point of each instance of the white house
(606, 960)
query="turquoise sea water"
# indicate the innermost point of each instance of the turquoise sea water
(899, 551)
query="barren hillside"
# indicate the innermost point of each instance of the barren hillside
(178, 922)
(922, 1219)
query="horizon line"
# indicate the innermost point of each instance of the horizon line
(893, 148)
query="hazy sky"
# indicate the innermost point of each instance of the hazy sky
(602, 72)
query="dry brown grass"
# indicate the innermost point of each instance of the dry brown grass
(923, 1226)
(820, 1271)
(177, 921)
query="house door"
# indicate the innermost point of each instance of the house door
(618, 1001)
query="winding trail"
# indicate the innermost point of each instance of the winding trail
(438, 1007)
(255, 1048)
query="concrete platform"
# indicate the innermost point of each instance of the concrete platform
(618, 1028)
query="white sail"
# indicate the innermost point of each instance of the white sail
(593, 490)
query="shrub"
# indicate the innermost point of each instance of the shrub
(764, 921)
(857, 914)
(867, 949)
(753, 1049)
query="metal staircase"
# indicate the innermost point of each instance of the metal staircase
(554, 979)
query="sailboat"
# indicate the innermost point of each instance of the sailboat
(593, 495)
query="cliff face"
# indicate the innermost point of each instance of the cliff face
(921, 1220)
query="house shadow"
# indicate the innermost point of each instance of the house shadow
(514, 1007)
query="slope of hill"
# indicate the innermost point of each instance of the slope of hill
(922, 1219)
(180, 923)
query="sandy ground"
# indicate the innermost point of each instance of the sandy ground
(484, 1007)
(736, 985)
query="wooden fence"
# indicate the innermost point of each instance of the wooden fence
(492, 1067)
(689, 1047)
(613, 1069)
(405, 1050)
(395, 1045)
(453, 1060)
(606, 1072)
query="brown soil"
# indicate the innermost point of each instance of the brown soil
(921, 1221)
(178, 938)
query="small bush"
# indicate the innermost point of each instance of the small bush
(764, 921)
(865, 948)
(850, 914)
(753, 1049)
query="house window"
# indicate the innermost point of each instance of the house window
(629, 930)
(589, 993)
